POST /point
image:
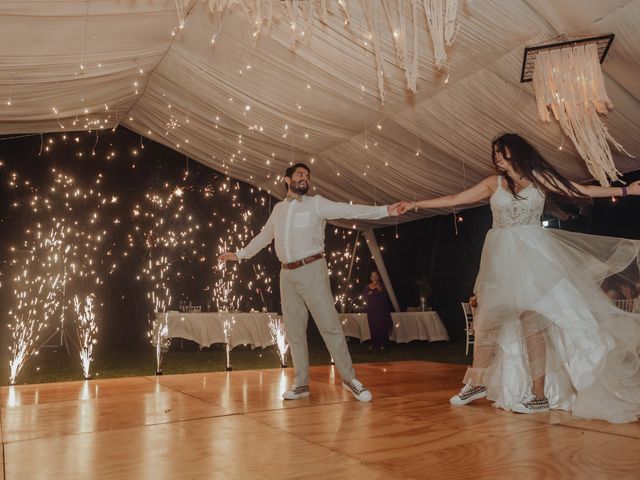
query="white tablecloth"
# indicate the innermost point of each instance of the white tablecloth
(208, 328)
(407, 326)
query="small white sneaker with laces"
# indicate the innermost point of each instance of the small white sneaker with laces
(296, 392)
(358, 390)
(468, 394)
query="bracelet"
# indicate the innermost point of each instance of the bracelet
(624, 192)
(415, 207)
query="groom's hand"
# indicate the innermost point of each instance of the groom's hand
(228, 257)
(394, 210)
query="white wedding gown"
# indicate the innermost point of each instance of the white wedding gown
(542, 312)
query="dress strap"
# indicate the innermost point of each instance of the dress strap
(499, 181)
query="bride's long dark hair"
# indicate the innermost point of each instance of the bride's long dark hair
(528, 162)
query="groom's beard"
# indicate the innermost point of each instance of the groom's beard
(299, 188)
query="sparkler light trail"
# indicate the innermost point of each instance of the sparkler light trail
(68, 234)
(36, 291)
(160, 339)
(223, 290)
(340, 262)
(162, 238)
(57, 256)
(86, 330)
(227, 327)
(276, 325)
(175, 247)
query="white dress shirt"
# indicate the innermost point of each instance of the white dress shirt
(298, 226)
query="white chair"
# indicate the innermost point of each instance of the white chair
(468, 325)
(626, 305)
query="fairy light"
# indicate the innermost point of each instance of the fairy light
(13, 87)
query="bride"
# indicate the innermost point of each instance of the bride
(546, 335)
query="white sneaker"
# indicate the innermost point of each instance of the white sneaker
(296, 392)
(468, 394)
(358, 390)
(531, 404)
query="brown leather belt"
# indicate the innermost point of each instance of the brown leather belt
(304, 261)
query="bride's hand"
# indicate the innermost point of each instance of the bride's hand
(406, 206)
(634, 188)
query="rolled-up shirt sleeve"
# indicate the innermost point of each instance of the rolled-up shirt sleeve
(258, 242)
(334, 210)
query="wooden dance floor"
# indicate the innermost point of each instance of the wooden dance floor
(234, 426)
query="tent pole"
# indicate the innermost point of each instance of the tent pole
(382, 270)
(353, 255)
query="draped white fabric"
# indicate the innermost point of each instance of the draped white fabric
(249, 107)
(208, 328)
(407, 326)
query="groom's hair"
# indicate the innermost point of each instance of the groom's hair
(292, 169)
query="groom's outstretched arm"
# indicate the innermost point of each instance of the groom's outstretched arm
(256, 244)
(334, 210)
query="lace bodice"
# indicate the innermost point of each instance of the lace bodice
(509, 211)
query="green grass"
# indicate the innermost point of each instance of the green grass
(55, 365)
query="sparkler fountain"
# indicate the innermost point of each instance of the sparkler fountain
(276, 326)
(86, 330)
(36, 290)
(59, 262)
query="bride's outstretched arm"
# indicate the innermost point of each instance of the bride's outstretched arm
(478, 192)
(593, 191)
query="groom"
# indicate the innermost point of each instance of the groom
(297, 224)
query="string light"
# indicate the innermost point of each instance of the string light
(13, 86)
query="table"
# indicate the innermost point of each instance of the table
(407, 326)
(253, 328)
(207, 328)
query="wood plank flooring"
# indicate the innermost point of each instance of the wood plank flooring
(235, 426)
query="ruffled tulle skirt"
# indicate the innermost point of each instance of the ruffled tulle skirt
(542, 311)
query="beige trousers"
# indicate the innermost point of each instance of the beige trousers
(305, 288)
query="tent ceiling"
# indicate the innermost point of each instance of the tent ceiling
(318, 101)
